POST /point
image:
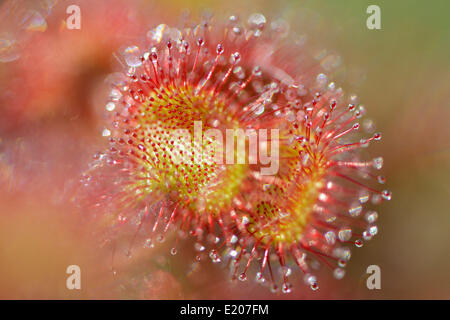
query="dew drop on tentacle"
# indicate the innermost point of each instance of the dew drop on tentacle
(339, 273)
(132, 56)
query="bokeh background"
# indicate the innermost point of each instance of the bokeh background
(52, 89)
